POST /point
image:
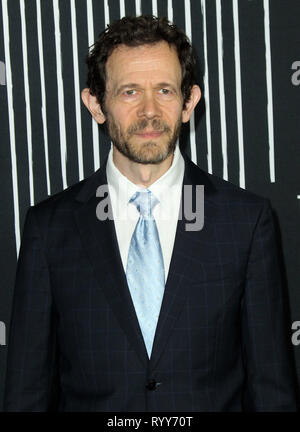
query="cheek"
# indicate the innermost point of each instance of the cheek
(123, 117)
(115, 123)
(172, 115)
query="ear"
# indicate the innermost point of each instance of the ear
(191, 103)
(93, 105)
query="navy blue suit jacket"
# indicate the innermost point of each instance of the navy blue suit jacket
(222, 341)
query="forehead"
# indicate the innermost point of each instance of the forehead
(146, 62)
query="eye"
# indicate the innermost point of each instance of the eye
(130, 92)
(165, 91)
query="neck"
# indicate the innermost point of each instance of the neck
(140, 174)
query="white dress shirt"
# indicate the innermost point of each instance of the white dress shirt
(167, 190)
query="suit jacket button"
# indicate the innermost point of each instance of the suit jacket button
(152, 385)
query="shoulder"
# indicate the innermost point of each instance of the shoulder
(228, 192)
(58, 208)
(226, 203)
(64, 200)
(218, 190)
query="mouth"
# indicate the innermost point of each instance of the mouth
(152, 134)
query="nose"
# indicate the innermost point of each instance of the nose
(148, 107)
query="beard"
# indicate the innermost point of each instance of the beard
(148, 152)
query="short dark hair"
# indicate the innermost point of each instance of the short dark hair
(133, 32)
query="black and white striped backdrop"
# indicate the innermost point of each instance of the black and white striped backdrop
(245, 130)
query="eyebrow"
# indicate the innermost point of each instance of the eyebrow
(133, 85)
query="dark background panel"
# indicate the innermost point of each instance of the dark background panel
(99, 25)
(38, 150)
(162, 8)
(254, 94)
(19, 107)
(285, 36)
(51, 96)
(86, 123)
(230, 94)
(7, 225)
(212, 59)
(198, 45)
(146, 7)
(114, 10)
(179, 20)
(130, 7)
(72, 167)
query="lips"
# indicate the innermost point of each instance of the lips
(150, 134)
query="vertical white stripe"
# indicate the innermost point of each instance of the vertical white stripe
(122, 8)
(188, 23)
(138, 7)
(193, 139)
(43, 92)
(106, 12)
(77, 89)
(27, 100)
(238, 91)
(90, 22)
(107, 20)
(11, 119)
(269, 90)
(170, 10)
(188, 31)
(206, 90)
(222, 89)
(60, 94)
(154, 8)
(91, 39)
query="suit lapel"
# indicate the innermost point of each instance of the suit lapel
(175, 294)
(100, 242)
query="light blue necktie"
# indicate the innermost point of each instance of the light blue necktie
(145, 267)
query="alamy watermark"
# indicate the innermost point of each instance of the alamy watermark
(296, 335)
(2, 333)
(295, 78)
(191, 207)
(2, 74)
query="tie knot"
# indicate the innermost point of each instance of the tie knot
(144, 202)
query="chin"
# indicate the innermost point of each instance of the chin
(150, 154)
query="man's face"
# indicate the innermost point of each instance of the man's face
(143, 101)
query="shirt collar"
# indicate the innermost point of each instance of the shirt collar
(122, 188)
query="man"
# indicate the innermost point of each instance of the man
(145, 312)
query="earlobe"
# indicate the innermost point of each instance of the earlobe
(191, 103)
(92, 104)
